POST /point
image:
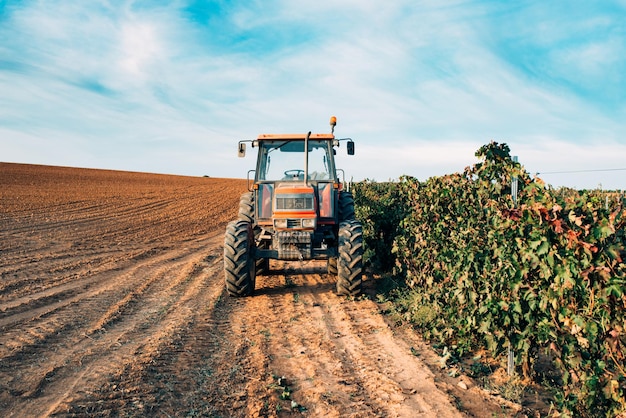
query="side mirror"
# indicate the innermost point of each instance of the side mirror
(350, 146)
(241, 152)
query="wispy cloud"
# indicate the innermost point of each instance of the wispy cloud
(171, 86)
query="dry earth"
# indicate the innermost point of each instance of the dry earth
(112, 303)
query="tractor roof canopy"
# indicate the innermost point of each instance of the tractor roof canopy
(294, 136)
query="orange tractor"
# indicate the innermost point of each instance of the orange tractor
(297, 209)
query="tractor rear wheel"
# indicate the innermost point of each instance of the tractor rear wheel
(350, 262)
(262, 264)
(346, 206)
(239, 264)
(262, 267)
(331, 265)
(246, 213)
(246, 207)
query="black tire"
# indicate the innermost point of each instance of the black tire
(331, 264)
(239, 265)
(246, 213)
(346, 206)
(262, 267)
(350, 262)
(262, 264)
(246, 207)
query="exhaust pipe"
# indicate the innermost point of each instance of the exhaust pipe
(306, 159)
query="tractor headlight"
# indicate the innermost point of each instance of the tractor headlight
(308, 223)
(280, 223)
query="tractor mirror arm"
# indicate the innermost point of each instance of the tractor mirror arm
(241, 148)
(350, 144)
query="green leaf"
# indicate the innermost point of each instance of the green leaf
(543, 248)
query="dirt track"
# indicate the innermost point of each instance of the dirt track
(112, 303)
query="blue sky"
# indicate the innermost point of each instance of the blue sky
(171, 86)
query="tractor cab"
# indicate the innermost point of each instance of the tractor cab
(282, 159)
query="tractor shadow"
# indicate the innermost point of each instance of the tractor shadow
(287, 278)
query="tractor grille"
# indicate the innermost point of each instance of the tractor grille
(294, 223)
(294, 203)
(294, 245)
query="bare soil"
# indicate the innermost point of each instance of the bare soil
(112, 303)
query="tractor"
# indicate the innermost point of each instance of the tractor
(297, 208)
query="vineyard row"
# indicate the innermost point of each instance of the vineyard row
(543, 274)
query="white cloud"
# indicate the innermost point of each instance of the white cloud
(563, 163)
(418, 159)
(139, 46)
(591, 59)
(559, 163)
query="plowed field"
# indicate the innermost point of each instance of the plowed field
(112, 303)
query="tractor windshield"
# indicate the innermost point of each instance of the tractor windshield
(284, 160)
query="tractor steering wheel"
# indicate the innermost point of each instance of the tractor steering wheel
(294, 173)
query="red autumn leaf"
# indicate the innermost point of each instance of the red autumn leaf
(556, 224)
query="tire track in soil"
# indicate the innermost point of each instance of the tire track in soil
(65, 290)
(90, 287)
(134, 327)
(338, 355)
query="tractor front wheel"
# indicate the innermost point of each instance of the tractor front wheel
(239, 264)
(350, 261)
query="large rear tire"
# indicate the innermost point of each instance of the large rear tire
(262, 267)
(239, 264)
(331, 265)
(246, 213)
(262, 264)
(346, 206)
(246, 207)
(350, 262)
